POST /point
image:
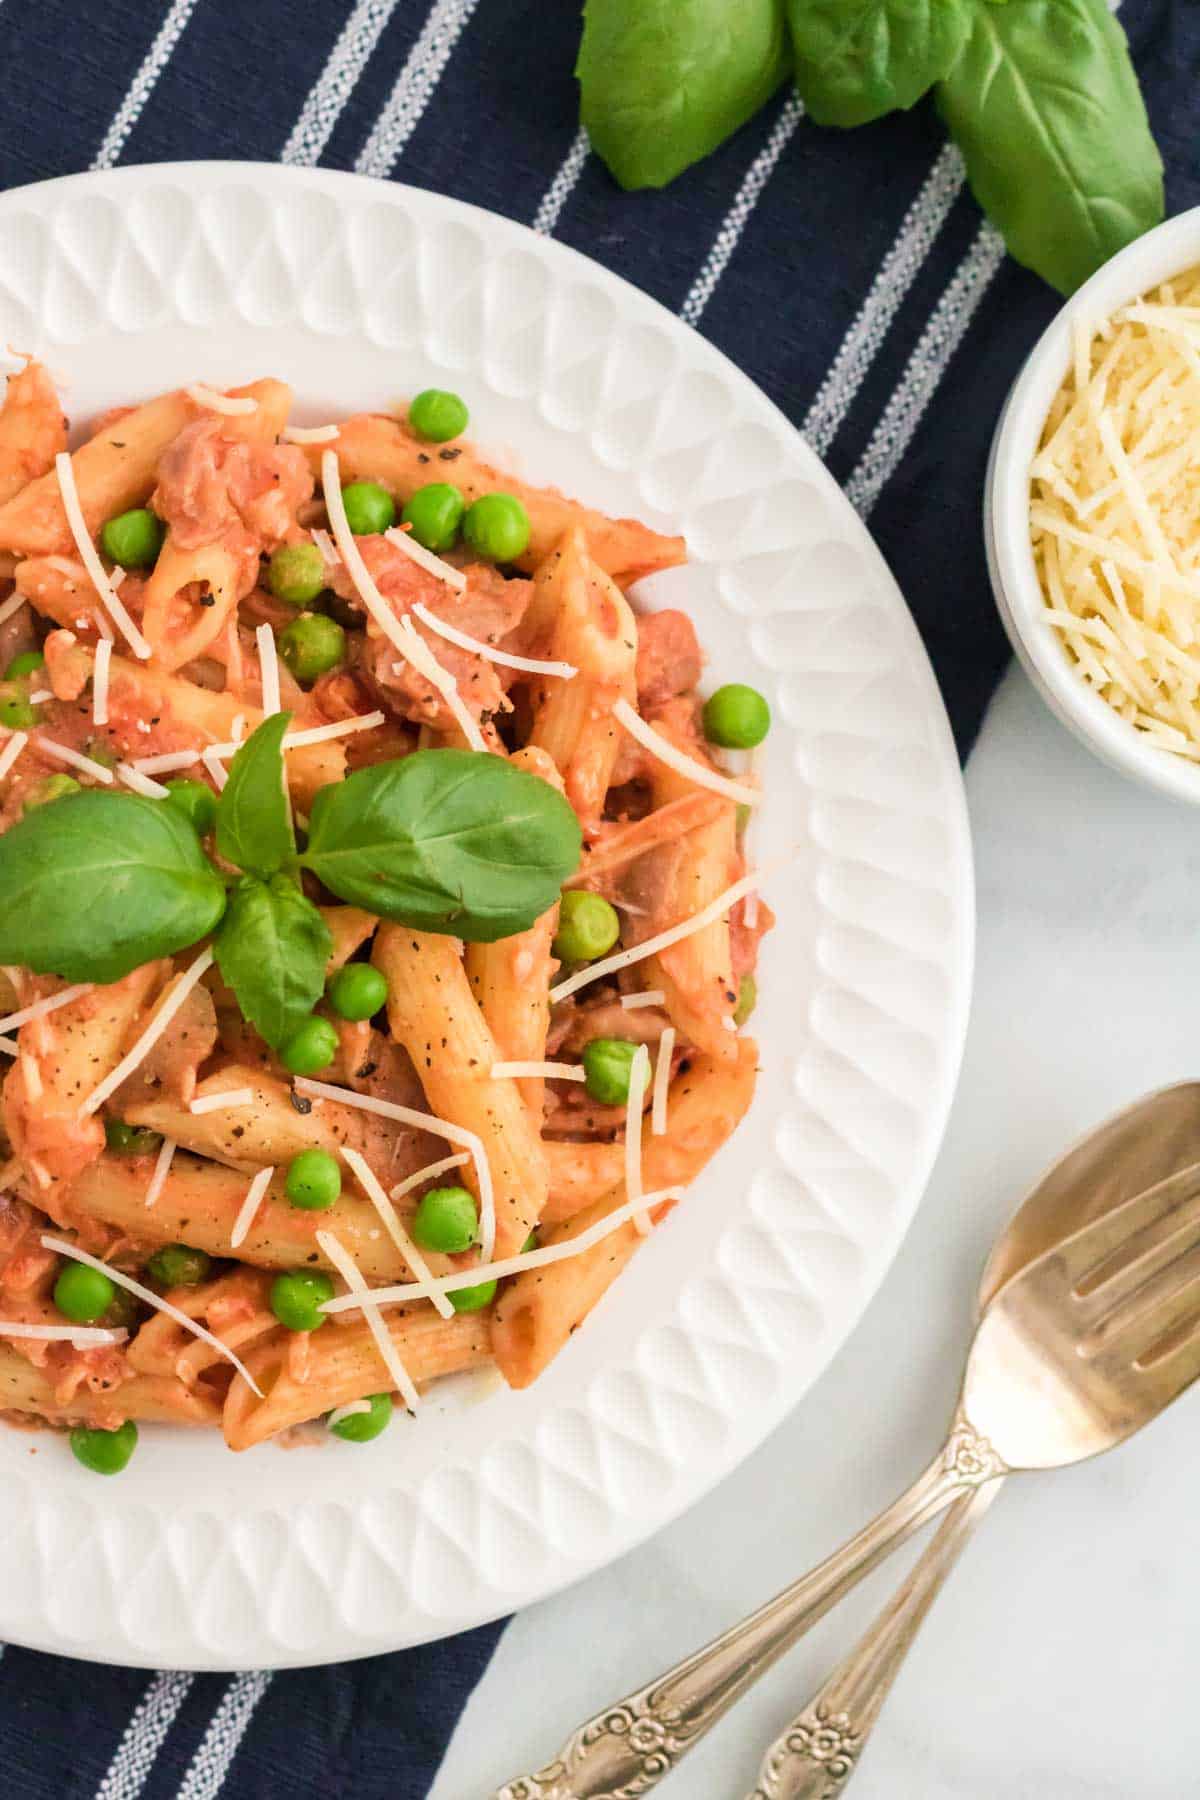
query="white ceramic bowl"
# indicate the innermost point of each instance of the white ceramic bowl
(1168, 250)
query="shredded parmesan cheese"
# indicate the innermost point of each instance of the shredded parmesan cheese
(39, 1008)
(91, 561)
(268, 663)
(321, 734)
(1113, 503)
(622, 959)
(532, 665)
(250, 1205)
(309, 434)
(326, 546)
(662, 1082)
(372, 1187)
(11, 751)
(31, 1075)
(551, 1071)
(63, 753)
(162, 1168)
(152, 1299)
(40, 696)
(639, 1077)
(12, 605)
(426, 559)
(216, 768)
(212, 401)
(100, 674)
(10, 1046)
(351, 1410)
(360, 1293)
(540, 1258)
(687, 766)
(647, 997)
(81, 1337)
(428, 1173)
(207, 1103)
(133, 778)
(168, 1006)
(167, 763)
(399, 634)
(454, 1134)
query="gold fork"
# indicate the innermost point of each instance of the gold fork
(1084, 1346)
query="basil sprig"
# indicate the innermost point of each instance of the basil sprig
(444, 840)
(97, 884)
(1040, 95)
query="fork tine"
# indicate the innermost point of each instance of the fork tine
(1124, 1275)
(1103, 1250)
(1140, 1327)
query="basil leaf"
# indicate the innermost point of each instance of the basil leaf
(445, 840)
(254, 820)
(859, 59)
(663, 82)
(97, 884)
(1045, 106)
(272, 949)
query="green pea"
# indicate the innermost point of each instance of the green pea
(104, 1452)
(178, 1265)
(15, 709)
(357, 991)
(196, 802)
(297, 1296)
(736, 717)
(446, 1219)
(83, 1295)
(369, 508)
(125, 1310)
(311, 1048)
(49, 789)
(529, 1244)
(131, 1140)
(296, 573)
(435, 513)
(742, 815)
(101, 751)
(497, 526)
(587, 926)
(606, 1063)
(314, 1180)
(25, 664)
(311, 645)
(747, 999)
(361, 1427)
(133, 538)
(438, 415)
(471, 1299)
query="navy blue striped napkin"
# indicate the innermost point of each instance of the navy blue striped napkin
(849, 274)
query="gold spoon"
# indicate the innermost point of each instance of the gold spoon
(1092, 1326)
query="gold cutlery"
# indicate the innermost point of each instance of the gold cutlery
(1083, 1341)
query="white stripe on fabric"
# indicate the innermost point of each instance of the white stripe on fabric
(414, 87)
(563, 185)
(925, 367)
(152, 1718)
(214, 1757)
(899, 269)
(745, 201)
(142, 85)
(349, 57)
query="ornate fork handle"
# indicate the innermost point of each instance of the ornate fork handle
(816, 1755)
(627, 1749)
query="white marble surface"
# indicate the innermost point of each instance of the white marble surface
(1059, 1664)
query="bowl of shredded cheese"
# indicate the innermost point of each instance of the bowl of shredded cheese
(1092, 510)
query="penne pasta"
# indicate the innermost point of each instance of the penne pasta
(343, 1365)
(540, 1309)
(372, 447)
(433, 1014)
(161, 1398)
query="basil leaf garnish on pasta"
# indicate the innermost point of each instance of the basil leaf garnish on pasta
(272, 949)
(254, 820)
(447, 841)
(97, 884)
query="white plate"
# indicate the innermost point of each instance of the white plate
(360, 293)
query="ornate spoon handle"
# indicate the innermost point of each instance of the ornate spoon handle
(626, 1750)
(816, 1755)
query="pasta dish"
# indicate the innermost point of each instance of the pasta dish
(377, 928)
